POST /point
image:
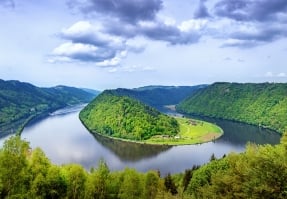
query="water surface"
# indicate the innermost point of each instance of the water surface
(65, 140)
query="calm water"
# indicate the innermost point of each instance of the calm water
(65, 140)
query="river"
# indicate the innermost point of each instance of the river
(65, 140)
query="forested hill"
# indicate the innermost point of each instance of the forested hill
(125, 117)
(21, 101)
(157, 96)
(262, 104)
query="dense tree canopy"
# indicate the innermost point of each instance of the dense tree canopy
(158, 96)
(259, 104)
(125, 117)
(26, 173)
(20, 101)
(259, 172)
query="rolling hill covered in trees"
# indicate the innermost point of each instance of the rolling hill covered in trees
(262, 104)
(21, 101)
(158, 96)
(125, 117)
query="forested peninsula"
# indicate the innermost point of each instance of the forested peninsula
(263, 104)
(125, 117)
(20, 102)
(115, 115)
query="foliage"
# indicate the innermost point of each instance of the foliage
(157, 96)
(20, 102)
(170, 185)
(259, 104)
(29, 174)
(259, 172)
(125, 117)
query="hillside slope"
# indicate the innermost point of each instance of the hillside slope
(158, 96)
(21, 101)
(262, 104)
(124, 117)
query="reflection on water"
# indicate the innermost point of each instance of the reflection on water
(65, 140)
(129, 151)
(240, 134)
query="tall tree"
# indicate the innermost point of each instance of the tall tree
(131, 187)
(14, 177)
(170, 185)
(151, 184)
(96, 185)
(76, 178)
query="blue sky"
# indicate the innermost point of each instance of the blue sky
(130, 43)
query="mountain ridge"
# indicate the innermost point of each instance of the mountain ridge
(262, 104)
(21, 101)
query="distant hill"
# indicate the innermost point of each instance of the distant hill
(92, 91)
(157, 96)
(125, 117)
(21, 101)
(262, 104)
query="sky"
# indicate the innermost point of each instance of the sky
(104, 44)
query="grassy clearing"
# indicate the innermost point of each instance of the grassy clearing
(191, 132)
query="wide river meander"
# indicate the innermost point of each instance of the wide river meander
(65, 140)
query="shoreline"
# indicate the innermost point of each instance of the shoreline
(18, 131)
(161, 143)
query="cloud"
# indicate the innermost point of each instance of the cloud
(201, 11)
(282, 75)
(240, 23)
(264, 34)
(187, 32)
(70, 52)
(129, 11)
(135, 18)
(241, 43)
(87, 43)
(253, 22)
(169, 33)
(7, 3)
(86, 33)
(246, 10)
(279, 75)
(131, 69)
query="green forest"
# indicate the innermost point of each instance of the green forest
(262, 104)
(259, 172)
(124, 117)
(19, 102)
(158, 96)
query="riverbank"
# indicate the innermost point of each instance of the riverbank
(17, 126)
(191, 132)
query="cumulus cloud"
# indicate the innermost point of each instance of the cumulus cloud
(69, 52)
(112, 24)
(86, 33)
(246, 10)
(169, 33)
(156, 30)
(104, 39)
(256, 22)
(87, 43)
(133, 18)
(130, 11)
(201, 11)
